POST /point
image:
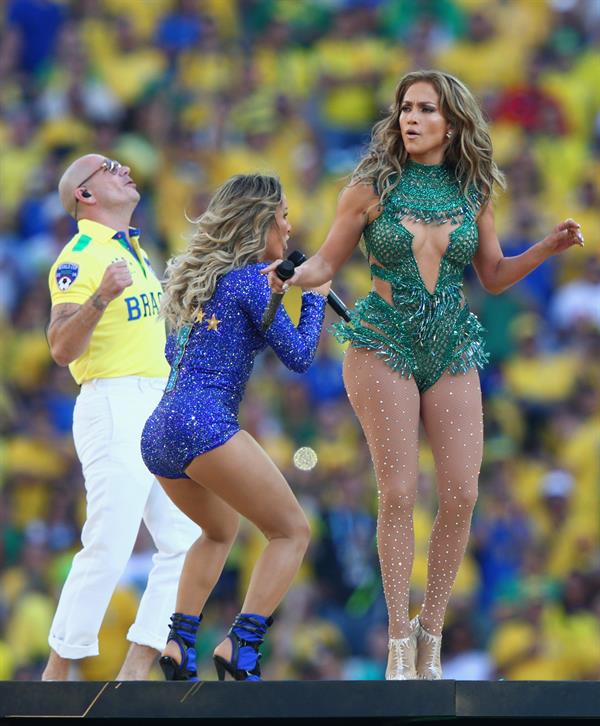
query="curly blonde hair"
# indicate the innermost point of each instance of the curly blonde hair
(469, 152)
(231, 233)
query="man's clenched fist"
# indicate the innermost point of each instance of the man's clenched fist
(115, 279)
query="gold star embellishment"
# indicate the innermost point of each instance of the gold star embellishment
(213, 323)
(200, 315)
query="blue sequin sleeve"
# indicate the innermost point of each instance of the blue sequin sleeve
(294, 346)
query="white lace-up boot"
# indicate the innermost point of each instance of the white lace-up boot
(428, 661)
(402, 656)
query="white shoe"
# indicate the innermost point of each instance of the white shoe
(428, 662)
(402, 656)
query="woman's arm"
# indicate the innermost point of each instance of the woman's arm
(351, 217)
(294, 346)
(497, 272)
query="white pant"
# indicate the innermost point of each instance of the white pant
(107, 426)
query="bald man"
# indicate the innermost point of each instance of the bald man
(104, 325)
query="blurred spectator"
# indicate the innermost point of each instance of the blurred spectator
(36, 24)
(564, 537)
(536, 377)
(528, 105)
(524, 645)
(486, 40)
(126, 64)
(324, 378)
(73, 92)
(461, 658)
(578, 627)
(535, 290)
(501, 536)
(21, 156)
(349, 62)
(180, 29)
(370, 666)
(578, 302)
(398, 18)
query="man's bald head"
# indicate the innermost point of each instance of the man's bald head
(79, 170)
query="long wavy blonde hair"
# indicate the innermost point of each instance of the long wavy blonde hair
(469, 151)
(231, 233)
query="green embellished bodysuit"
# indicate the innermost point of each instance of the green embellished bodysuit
(422, 334)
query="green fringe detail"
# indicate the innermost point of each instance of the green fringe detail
(430, 216)
(393, 344)
(427, 312)
(470, 350)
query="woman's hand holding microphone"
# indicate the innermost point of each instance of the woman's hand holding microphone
(280, 286)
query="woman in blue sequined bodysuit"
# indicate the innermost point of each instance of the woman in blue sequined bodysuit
(421, 198)
(213, 471)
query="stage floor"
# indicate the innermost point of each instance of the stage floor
(372, 701)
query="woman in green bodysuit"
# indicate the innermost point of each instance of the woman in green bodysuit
(421, 198)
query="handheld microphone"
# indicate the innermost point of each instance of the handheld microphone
(284, 271)
(333, 300)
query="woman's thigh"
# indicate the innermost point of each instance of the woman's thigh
(453, 419)
(217, 519)
(241, 473)
(387, 406)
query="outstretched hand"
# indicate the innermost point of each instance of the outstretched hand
(276, 283)
(564, 235)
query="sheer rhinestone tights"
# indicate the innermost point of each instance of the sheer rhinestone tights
(388, 408)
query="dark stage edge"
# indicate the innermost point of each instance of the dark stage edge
(373, 701)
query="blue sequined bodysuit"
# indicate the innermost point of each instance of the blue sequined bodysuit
(211, 362)
(423, 333)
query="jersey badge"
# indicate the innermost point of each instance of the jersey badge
(66, 274)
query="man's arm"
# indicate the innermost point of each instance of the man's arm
(71, 325)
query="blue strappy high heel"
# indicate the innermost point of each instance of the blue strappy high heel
(246, 635)
(183, 632)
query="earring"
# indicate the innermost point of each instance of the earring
(448, 134)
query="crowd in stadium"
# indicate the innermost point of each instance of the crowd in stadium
(189, 92)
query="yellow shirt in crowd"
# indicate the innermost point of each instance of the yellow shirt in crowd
(129, 338)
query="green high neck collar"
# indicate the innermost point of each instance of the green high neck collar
(424, 172)
(428, 193)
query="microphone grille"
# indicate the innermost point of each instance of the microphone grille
(297, 257)
(285, 270)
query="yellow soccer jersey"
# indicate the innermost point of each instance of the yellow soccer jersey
(129, 338)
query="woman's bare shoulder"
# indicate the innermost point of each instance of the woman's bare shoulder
(360, 197)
